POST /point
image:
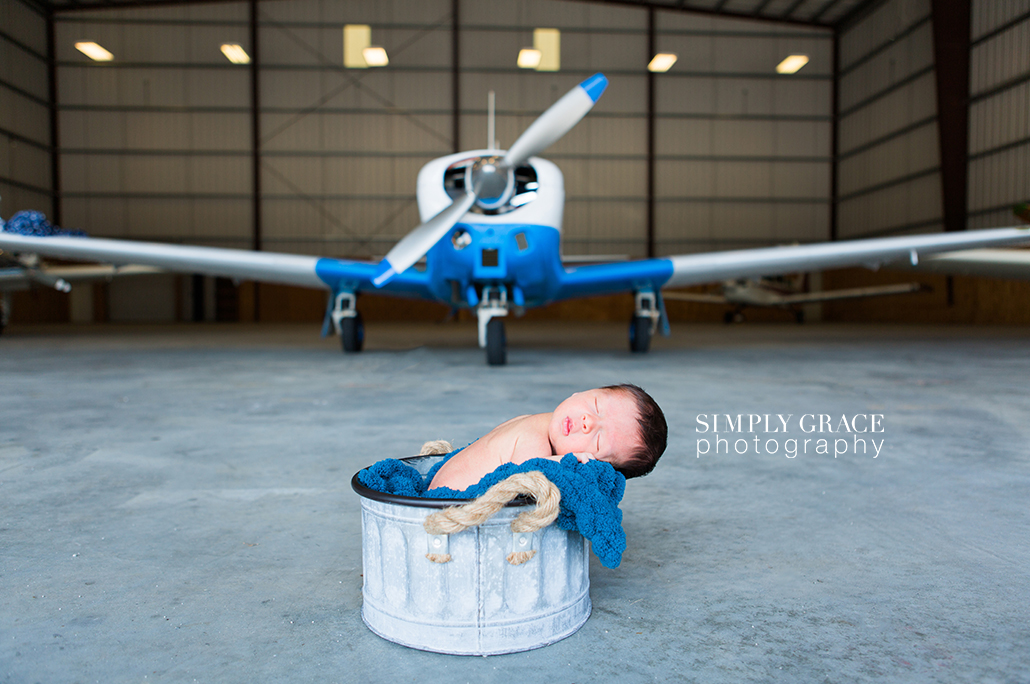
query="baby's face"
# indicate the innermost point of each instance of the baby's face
(599, 422)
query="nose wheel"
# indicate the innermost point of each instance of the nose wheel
(496, 343)
(492, 307)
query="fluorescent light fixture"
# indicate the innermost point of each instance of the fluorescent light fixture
(548, 42)
(375, 56)
(94, 51)
(235, 54)
(791, 64)
(662, 62)
(356, 37)
(529, 58)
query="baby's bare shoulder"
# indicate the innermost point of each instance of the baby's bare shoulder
(531, 440)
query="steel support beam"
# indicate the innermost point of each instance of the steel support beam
(951, 25)
(652, 44)
(55, 153)
(255, 140)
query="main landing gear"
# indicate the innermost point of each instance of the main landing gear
(347, 322)
(644, 322)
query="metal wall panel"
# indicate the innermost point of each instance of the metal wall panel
(888, 161)
(999, 113)
(25, 176)
(743, 153)
(155, 145)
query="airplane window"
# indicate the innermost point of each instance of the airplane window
(521, 241)
(490, 259)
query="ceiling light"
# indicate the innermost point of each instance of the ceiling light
(94, 51)
(375, 56)
(529, 58)
(662, 62)
(235, 54)
(792, 64)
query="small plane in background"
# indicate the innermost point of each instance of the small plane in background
(783, 292)
(27, 272)
(491, 243)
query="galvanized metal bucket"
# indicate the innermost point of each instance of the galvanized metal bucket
(478, 603)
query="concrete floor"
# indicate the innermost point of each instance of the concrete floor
(175, 503)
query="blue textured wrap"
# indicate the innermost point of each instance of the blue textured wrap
(590, 494)
(35, 224)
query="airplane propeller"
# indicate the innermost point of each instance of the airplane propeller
(491, 181)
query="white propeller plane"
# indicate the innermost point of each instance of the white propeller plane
(491, 240)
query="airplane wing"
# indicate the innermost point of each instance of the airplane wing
(695, 269)
(992, 263)
(272, 267)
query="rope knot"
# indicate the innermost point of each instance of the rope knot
(457, 518)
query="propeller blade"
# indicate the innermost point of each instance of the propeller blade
(419, 241)
(556, 121)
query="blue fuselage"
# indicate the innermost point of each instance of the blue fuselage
(526, 259)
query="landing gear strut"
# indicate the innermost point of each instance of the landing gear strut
(492, 306)
(348, 323)
(644, 322)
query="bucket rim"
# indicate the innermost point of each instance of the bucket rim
(418, 501)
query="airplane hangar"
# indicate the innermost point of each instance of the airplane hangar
(177, 449)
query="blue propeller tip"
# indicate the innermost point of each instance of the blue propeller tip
(383, 274)
(594, 86)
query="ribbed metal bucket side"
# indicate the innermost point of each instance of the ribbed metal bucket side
(478, 603)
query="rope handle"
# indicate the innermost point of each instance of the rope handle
(457, 518)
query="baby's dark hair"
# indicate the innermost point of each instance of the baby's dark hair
(654, 432)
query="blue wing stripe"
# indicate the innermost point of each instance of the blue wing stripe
(602, 279)
(357, 276)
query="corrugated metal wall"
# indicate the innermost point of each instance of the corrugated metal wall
(889, 167)
(156, 145)
(25, 170)
(999, 112)
(743, 152)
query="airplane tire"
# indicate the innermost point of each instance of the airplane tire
(640, 334)
(496, 343)
(352, 333)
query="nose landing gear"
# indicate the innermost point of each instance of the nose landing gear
(492, 306)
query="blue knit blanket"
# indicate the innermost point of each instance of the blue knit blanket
(35, 224)
(590, 494)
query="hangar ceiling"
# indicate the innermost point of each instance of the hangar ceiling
(828, 13)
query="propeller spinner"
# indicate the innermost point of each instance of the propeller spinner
(491, 180)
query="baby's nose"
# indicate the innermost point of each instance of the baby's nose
(588, 422)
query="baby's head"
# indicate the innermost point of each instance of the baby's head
(653, 432)
(619, 424)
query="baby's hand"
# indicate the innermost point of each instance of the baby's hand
(583, 458)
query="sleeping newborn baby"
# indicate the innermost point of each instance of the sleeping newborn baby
(620, 424)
